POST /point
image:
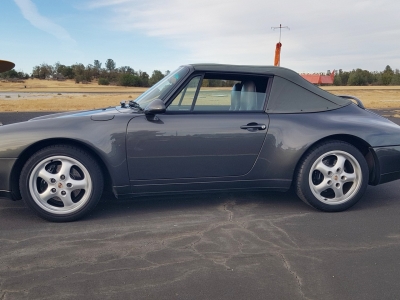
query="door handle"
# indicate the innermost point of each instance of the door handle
(253, 126)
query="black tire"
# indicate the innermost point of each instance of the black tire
(61, 183)
(332, 176)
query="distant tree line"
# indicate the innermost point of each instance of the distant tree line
(127, 76)
(110, 74)
(363, 77)
(12, 74)
(124, 76)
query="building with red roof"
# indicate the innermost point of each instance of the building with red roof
(319, 79)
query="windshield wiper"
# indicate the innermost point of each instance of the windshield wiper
(132, 104)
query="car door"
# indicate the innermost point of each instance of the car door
(201, 135)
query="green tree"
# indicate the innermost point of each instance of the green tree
(79, 69)
(344, 76)
(12, 74)
(156, 77)
(387, 75)
(357, 77)
(110, 65)
(45, 70)
(376, 78)
(103, 81)
(126, 70)
(337, 80)
(64, 71)
(396, 78)
(97, 64)
(88, 73)
(144, 78)
(67, 71)
(96, 68)
(129, 80)
(41, 71)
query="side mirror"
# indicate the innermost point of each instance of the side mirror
(155, 107)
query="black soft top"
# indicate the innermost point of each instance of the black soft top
(272, 71)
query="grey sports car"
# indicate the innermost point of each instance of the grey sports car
(205, 127)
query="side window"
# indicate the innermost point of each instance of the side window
(183, 101)
(215, 94)
(231, 92)
(222, 93)
(287, 97)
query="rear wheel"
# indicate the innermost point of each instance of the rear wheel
(333, 176)
(61, 183)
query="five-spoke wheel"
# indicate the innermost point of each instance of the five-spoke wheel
(62, 183)
(332, 176)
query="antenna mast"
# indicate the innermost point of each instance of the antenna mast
(280, 30)
(277, 61)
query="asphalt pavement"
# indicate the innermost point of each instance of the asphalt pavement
(209, 246)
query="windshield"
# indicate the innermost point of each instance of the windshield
(161, 88)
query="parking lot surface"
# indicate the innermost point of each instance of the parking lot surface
(211, 246)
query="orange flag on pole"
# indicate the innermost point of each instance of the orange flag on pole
(277, 61)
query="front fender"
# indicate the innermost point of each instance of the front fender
(105, 138)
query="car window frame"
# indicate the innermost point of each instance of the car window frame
(184, 84)
(177, 92)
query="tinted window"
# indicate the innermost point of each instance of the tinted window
(184, 100)
(288, 97)
(215, 94)
(221, 92)
(231, 92)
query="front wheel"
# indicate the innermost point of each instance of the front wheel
(61, 183)
(333, 176)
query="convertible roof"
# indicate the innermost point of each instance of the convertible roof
(271, 70)
(274, 71)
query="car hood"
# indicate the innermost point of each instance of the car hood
(72, 114)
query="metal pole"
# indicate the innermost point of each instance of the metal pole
(278, 51)
(280, 30)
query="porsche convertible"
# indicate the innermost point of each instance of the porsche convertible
(204, 127)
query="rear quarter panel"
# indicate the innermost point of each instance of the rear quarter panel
(291, 135)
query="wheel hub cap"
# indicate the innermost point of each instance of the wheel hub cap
(60, 197)
(335, 177)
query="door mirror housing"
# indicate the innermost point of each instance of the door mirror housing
(155, 107)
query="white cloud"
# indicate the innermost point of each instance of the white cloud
(30, 12)
(324, 34)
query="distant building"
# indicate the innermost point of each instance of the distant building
(319, 79)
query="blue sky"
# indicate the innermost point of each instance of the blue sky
(163, 34)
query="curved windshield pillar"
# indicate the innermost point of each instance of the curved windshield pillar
(163, 87)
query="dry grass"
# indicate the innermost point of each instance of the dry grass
(37, 85)
(88, 96)
(375, 97)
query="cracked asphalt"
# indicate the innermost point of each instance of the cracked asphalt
(211, 246)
